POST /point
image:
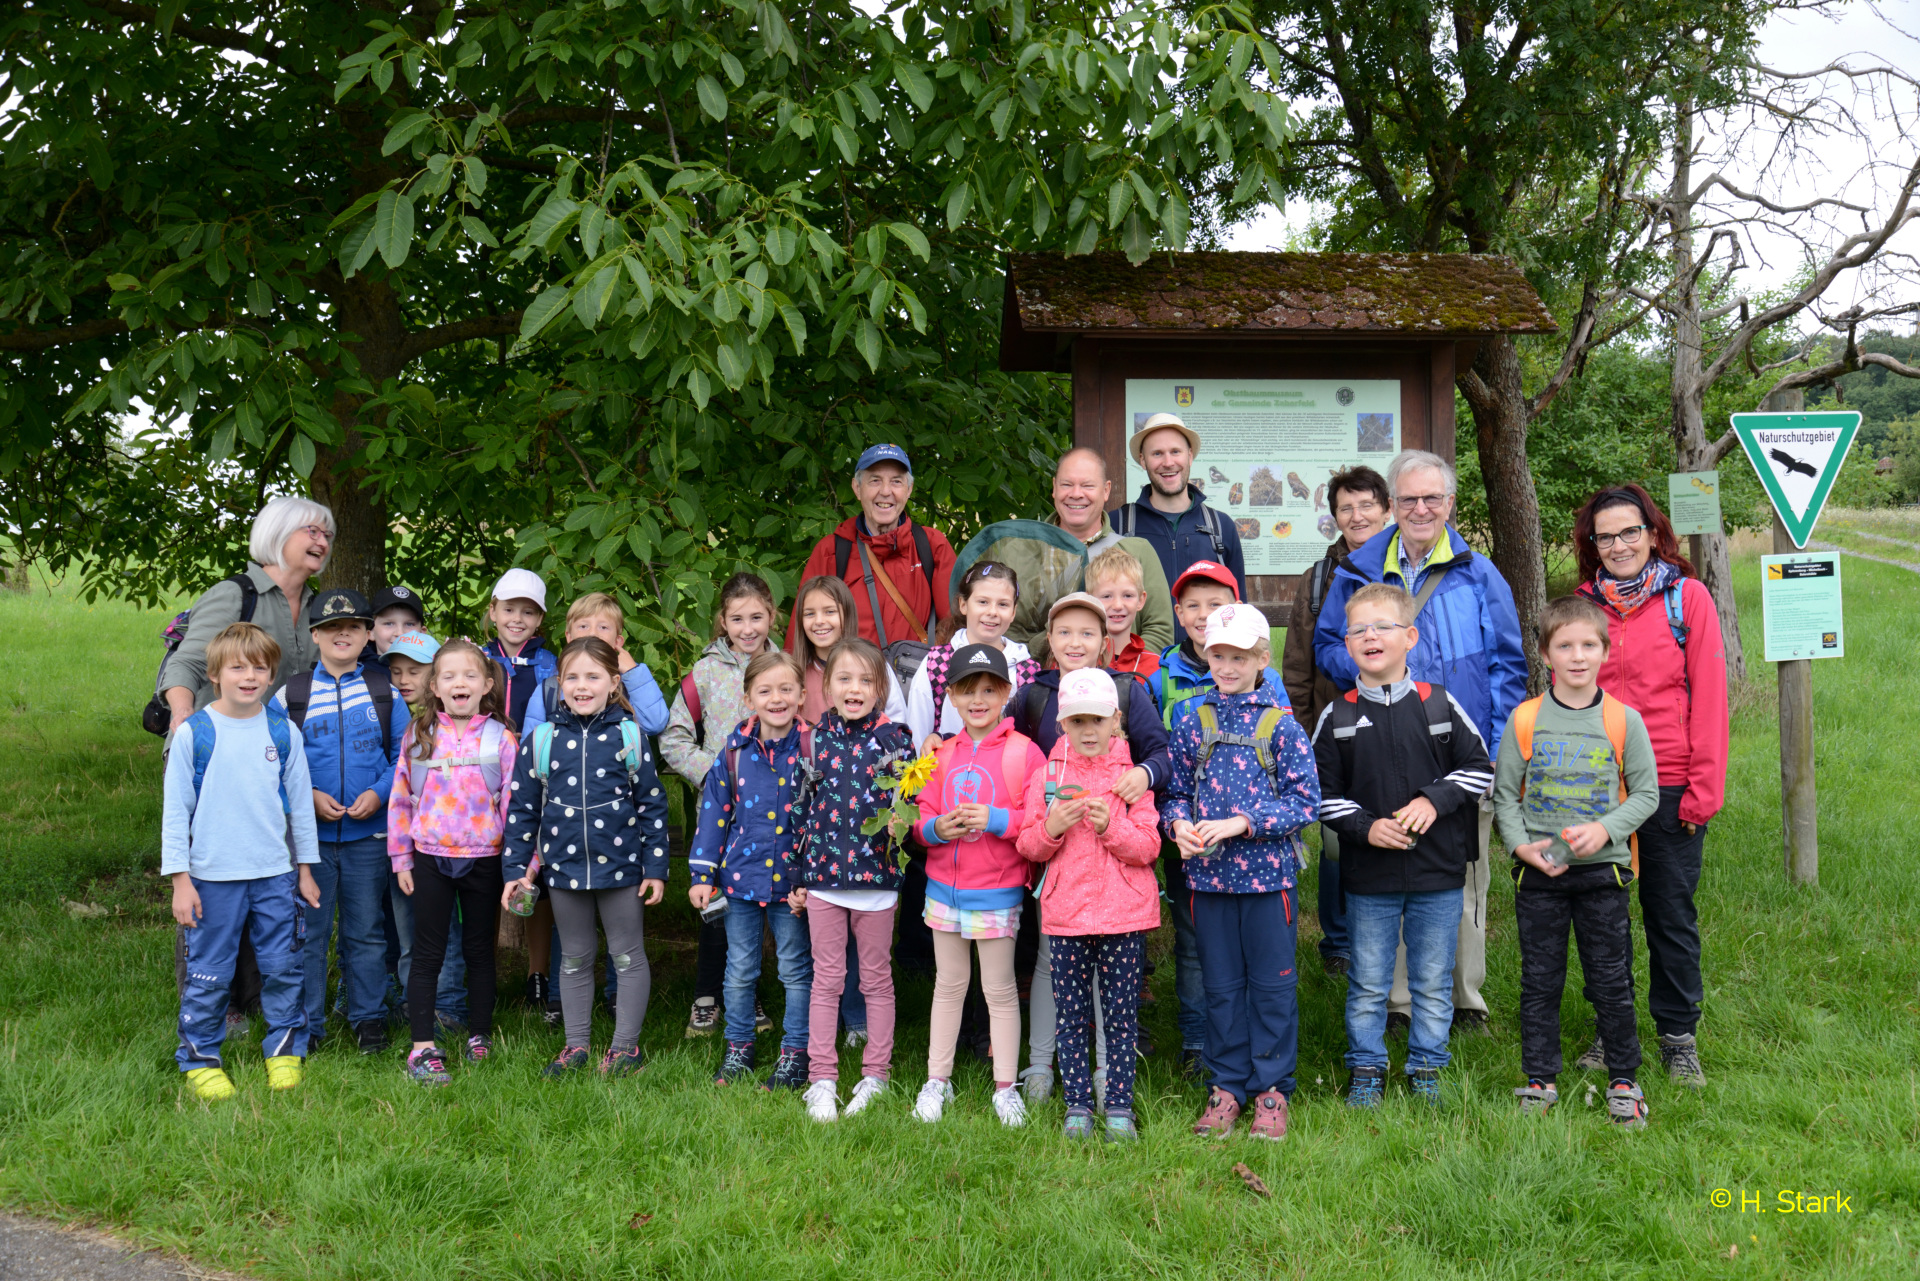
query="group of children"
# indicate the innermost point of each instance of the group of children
(513, 777)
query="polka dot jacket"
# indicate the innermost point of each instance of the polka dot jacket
(850, 755)
(596, 830)
(751, 811)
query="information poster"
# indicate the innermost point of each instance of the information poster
(1693, 502)
(1800, 597)
(1267, 447)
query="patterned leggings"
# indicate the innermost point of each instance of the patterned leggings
(1119, 959)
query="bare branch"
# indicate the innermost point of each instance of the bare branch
(423, 341)
(213, 37)
(43, 339)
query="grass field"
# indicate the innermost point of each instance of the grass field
(1811, 1040)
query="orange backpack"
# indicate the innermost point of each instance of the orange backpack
(1613, 716)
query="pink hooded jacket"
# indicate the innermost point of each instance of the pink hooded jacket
(448, 811)
(1095, 883)
(982, 872)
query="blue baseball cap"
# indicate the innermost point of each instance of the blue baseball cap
(415, 645)
(883, 454)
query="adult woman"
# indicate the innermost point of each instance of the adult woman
(1668, 663)
(291, 539)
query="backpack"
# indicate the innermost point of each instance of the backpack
(156, 717)
(278, 729)
(1125, 518)
(1169, 697)
(1613, 716)
(1048, 562)
(488, 760)
(690, 692)
(1033, 705)
(630, 749)
(299, 694)
(904, 656)
(1261, 741)
(937, 661)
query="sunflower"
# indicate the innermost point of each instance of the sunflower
(914, 776)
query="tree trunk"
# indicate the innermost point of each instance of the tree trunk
(1498, 400)
(369, 311)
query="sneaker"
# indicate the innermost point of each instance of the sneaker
(737, 1065)
(1471, 1022)
(283, 1071)
(855, 1038)
(1682, 1058)
(1536, 1096)
(823, 1101)
(1100, 1089)
(315, 1043)
(210, 1085)
(789, 1072)
(446, 1023)
(1010, 1107)
(865, 1092)
(553, 1015)
(1366, 1088)
(428, 1066)
(1037, 1082)
(1594, 1060)
(1191, 1064)
(1626, 1106)
(1425, 1083)
(1217, 1120)
(478, 1047)
(1335, 966)
(1398, 1024)
(704, 1019)
(372, 1036)
(1079, 1124)
(570, 1060)
(627, 1062)
(1121, 1128)
(539, 992)
(1269, 1116)
(931, 1102)
(761, 1023)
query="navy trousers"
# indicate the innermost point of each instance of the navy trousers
(1253, 1011)
(268, 911)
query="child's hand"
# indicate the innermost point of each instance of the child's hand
(326, 807)
(1099, 815)
(796, 901)
(950, 826)
(1534, 854)
(700, 896)
(626, 660)
(1216, 830)
(974, 816)
(1186, 837)
(364, 805)
(405, 881)
(932, 744)
(507, 890)
(1065, 814)
(1131, 786)
(1417, 815)
(1587, 839)
(652, 890)
(1387, 834)
(309, 890)
(186, 901)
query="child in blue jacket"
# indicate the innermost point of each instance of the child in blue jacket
(745, 847)
(1244, 785)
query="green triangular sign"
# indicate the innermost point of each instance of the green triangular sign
(1797, 457)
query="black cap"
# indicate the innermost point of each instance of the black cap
(970, 660)
(338, 604)
(405, 597)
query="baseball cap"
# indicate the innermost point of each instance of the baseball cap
(1210, 570)
(338, 604)
(521, 584)
(970, 660)
(397, 597)
(1088, 692)
(415, 645)
(1153, 425)
(883, 454)
(1081, 600)
(1237, 626)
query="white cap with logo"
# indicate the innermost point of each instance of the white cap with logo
(521, 584)
(1087, 692)
(1237, 626)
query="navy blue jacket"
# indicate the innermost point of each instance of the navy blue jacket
(746, 836)
(345, 753)
(1146, 736)
(596, 831)
(1182, 540)
(849, 755)
(534, 663)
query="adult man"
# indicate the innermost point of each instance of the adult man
(1469, 642)
(1171, 514)
(1358, 499)
(897, 570)
(1081, 490)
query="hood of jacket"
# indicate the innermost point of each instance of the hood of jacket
(592, 827)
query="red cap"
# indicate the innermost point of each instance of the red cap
(1211, 570)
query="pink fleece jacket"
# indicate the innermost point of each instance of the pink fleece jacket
(447, 811)
(1096, 883)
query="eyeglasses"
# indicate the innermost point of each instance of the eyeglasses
(1630, 536)
(1432, 502)
(318, 533)
(1383, 629)
(1367, 508)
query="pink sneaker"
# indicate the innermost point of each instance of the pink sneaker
(1269, 1116)
(1217, 1121)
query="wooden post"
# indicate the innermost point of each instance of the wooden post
(1799, 815)
(1697, 553)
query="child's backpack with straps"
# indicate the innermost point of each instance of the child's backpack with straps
(299, 695)
(1613, 717)
(488, 759)
(630, 752)
(279, 730)
(1261, 741)
(809, 772)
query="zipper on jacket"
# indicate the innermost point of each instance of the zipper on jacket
(339, 748)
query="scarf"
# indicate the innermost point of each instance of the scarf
(1624, 595)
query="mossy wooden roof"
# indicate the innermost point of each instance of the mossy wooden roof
(1258, 294)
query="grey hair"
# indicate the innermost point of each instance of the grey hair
(1419, 460)
(277, 522)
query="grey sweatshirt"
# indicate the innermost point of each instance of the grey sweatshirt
(236, 829)
(1573, 778)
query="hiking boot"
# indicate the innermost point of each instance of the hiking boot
(1366, 1088)
(1398, 1024)
(1269, 1116)
(210, 1085)
(478, 1047)
(1681, 1055)
(1425, 1083)
(855, 1038)
(1121, 1128)
(1079, 1124)
(761, 1023)
(1335, 966)
(539, 991)
(283, 1072)
(789, 1072)
(428, 1066)
(737, 1065)
(1190, 1064)
(1010, 1107)
(570, 1060)
(627, 1062)
(1216, 1120)
(865, 1091)
(1469, 1022)
(372, 1036)
(1594, 1060)
(704, 1018)
(1037, 1082)
(823, 1101)
(1626, 1106)
(932, 1101)
(1536, 1096)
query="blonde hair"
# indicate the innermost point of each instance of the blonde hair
(246, 641)
(1391, 595)
(1116, 562)
(596, 605)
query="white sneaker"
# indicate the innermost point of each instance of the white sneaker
(932, 1101)
(823, 1101)
(855, 1038)
(1037, 1082)
(869, 1089)
(1009, 1107)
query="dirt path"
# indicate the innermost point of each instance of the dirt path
(31, 1250)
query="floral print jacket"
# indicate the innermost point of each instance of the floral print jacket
(850, 756)
(1268, 857)
(450, 810)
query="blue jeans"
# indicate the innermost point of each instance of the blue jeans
(1253, 1012)
(1431, 922)
(1334, 940)
(746, 922)
(1189, 989)
(450, 1001)
(352, 876)
(267, 911)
